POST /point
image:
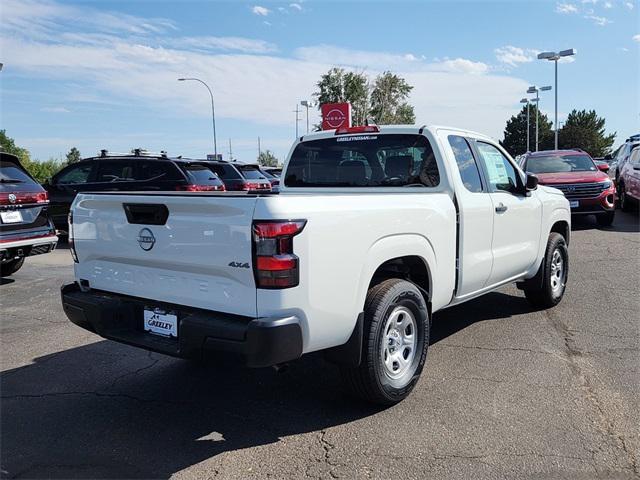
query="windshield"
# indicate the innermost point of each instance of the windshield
(252, 173)
(389, 160)
(11, 173)
(200, 174)
(226, 172)
(560, 164)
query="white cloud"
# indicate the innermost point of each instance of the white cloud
(260, 11)
(239, 44)
(55, 110)
(246, 75)
(512, 56)
(566, 8)
(593, 2)
(607, 5)
(601, 21)
(629, 5)
(295, 6)
(636, 38)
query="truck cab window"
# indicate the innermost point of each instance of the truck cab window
(467, 166)
(502, 174)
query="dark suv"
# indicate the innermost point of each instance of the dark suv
(137, 171)
(239, 176)
(25, 227)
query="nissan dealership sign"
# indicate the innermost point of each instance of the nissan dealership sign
(336, 115)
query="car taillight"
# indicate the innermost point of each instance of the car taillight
(275, 265)
(200, 188)
(23, 198)
(359, 129)
(72, 244)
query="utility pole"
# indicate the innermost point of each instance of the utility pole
(297, 111)
(230, 152)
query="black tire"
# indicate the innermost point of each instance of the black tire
(540, 291)
(605, 219)
(371, 380)
(9, 268)
(625, 205)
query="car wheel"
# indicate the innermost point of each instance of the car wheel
(395, 342)
(11, 267)
(624, 200)
(547, 288)
(605, 219)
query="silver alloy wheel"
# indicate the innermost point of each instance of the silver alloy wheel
(556, 276)
(400, 337)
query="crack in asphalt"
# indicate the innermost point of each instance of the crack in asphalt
(606, 425)
(136, 372)
(497, 349)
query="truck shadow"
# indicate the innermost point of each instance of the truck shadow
(623, 222)
(105, 410)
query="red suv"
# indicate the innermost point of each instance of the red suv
(586, 185)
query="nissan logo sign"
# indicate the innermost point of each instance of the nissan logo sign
(12, 198)
(335, 118)
(146, 240)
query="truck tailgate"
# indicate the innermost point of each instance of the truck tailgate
(186, 249)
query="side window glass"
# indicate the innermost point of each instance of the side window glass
(118, 171)
(77, 174)
(466, 163)
(502, 174)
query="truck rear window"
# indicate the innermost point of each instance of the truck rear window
(377, 160)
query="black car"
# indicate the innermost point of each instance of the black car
(25, 226)
(137, 171)
(238, 176)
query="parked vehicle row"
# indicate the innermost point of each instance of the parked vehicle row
(142, 171)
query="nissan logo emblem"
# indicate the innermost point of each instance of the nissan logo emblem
(146, 240)
(12, 198)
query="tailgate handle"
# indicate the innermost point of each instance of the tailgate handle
(146, 213)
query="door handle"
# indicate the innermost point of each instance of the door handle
(501, 208)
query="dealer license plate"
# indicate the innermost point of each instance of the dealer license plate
(13, 216)
(574, 204)
(159, 322)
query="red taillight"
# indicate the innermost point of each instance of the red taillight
(200, 188)
(23, 198)
(361, 129)
(275, 265)
(249, 186)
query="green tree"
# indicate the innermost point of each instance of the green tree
(340, 85)
(268, 159)
(73, 155)
(41, 171)
(515, 132)
(384, 100)
(388, 100)
(584, 129)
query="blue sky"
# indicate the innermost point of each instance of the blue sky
(102, 74)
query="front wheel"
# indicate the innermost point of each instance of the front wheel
(9, 268)
(546, 289)
(395, 341)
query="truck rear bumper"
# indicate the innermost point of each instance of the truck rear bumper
(261, 341)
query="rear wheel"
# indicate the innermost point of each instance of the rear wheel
(546, 289)
(395, 341)
(605, 219)
(11, 267)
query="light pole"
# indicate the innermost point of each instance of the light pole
(308, 104)
(213, 112)
(526, 100)
(536, 90)
(554, 57)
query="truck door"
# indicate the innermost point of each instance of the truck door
(475, 218)
(517, 217)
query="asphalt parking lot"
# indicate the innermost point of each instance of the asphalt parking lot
(507, 392)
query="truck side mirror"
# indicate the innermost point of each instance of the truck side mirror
(532, 182)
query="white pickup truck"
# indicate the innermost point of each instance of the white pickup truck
(374, 230)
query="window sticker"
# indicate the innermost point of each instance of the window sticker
(495, 167)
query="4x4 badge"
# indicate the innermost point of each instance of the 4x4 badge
(239, 265)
